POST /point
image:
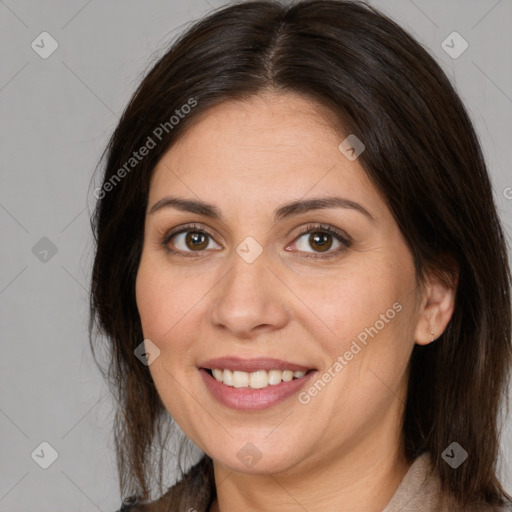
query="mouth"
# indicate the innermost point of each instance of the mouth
(259, 379)
(252, 384)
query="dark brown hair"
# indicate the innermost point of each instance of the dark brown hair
(422, 155)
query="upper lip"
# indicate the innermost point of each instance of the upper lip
(251, 365)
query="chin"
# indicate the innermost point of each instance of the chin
(256, 457)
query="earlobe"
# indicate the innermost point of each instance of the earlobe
(436, 310)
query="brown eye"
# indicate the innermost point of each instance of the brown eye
(320, 241)
(189, 241)
(196, 241)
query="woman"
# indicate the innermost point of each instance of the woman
(300, 262)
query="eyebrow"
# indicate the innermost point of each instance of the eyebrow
(285, 211)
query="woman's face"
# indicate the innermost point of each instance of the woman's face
(248, 286)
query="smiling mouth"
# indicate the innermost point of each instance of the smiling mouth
(259, 379)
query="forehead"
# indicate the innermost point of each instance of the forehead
(261, 150)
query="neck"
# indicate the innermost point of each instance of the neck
(362, 477)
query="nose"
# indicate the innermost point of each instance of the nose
(249, 299)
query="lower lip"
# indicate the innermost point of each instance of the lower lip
(248, 399)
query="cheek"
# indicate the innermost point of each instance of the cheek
(149, 300)
(164, 310)
(369, 312)
(171, 306)
(158, 308)
(162, 299)
(351, 302)
(369, 315)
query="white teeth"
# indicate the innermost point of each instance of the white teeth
(240, 379)
(274, 377)
(287, 375)
(225, 376)
(255, 380)
(258, 380)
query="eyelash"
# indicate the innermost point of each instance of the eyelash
(310, 228)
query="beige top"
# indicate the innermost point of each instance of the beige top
(416, 491)
(419, 491)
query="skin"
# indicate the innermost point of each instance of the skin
(342, 450)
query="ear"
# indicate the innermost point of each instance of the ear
(436, 308)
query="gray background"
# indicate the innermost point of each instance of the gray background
(56, 115)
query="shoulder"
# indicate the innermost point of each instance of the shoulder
(193, 492)
(421, 490)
